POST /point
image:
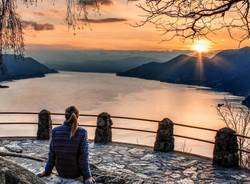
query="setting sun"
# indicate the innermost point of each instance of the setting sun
(201, 46)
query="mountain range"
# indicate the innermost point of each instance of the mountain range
(228, 70)
(20, 68)
(102, 61)
(102, 66)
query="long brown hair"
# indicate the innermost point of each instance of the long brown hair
(71, 115)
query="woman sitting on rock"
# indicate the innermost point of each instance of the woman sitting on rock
(69, 150)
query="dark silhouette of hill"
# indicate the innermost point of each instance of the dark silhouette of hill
(246, 102)
(17, 68)
(102, 66)
(228, 70)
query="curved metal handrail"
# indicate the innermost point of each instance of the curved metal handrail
(114, 117)
(120, 128)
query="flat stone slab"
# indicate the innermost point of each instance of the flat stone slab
(122, 163)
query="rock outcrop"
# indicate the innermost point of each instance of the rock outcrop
(13, 148)
(11, 173)
(165, 136)
(44, 125)
(226, 148)
(246, 102)
(3, 86)
(103, 133)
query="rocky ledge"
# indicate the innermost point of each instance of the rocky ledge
(122, 163)
(3, 86)
(11, 173)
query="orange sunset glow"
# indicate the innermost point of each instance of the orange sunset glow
(124, 91)
(110, 28)
(201, 46)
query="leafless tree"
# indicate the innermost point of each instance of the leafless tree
(11, 30)
(11, 35)
(238, 118)
(175, 18)
(78, 10)
(197, 18)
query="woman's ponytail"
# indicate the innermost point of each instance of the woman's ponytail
(71, 116)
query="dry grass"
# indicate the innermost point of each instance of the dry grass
(238, 118)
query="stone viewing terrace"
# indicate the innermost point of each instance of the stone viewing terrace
(116, 163)
(124, 163)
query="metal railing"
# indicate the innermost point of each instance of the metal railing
(121, 128)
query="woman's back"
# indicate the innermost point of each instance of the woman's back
(68, 150)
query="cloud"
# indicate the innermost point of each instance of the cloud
(94, 2)
(54, 11)
(105, 20)
(39, 14)
(36, 26)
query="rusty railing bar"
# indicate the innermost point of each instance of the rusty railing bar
(243, 136)
(196, 139)
(17, 123)
(133, 129)
(121, 117)
(123, 128)
(35, 113)
(115, 117)
(93, 126)
(190, 126)
(85, 115)
(33, 123)
(136, 119)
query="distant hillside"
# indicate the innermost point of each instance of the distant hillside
(102, 66)
(23, 68)
(227, 71)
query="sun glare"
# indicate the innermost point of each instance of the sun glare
(201, 46)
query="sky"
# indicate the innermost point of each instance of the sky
(109, 29)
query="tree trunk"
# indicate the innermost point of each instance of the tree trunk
(3, 69)
(1, 62)
(1, 49)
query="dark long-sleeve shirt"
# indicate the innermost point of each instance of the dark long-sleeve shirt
(70, 156)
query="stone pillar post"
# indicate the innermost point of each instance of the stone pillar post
(103, 132)
(44, 125)
(165, 136)
(246, 102)
(226, 148)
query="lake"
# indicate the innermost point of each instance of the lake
(94, 93)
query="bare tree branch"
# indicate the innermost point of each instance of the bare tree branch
(11, 33)
(237, 118)
(197, 18)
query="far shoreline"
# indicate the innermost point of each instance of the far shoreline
(23, 77)
(232, 97)
(201, 87)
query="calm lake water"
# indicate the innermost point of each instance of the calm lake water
(94, 93)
